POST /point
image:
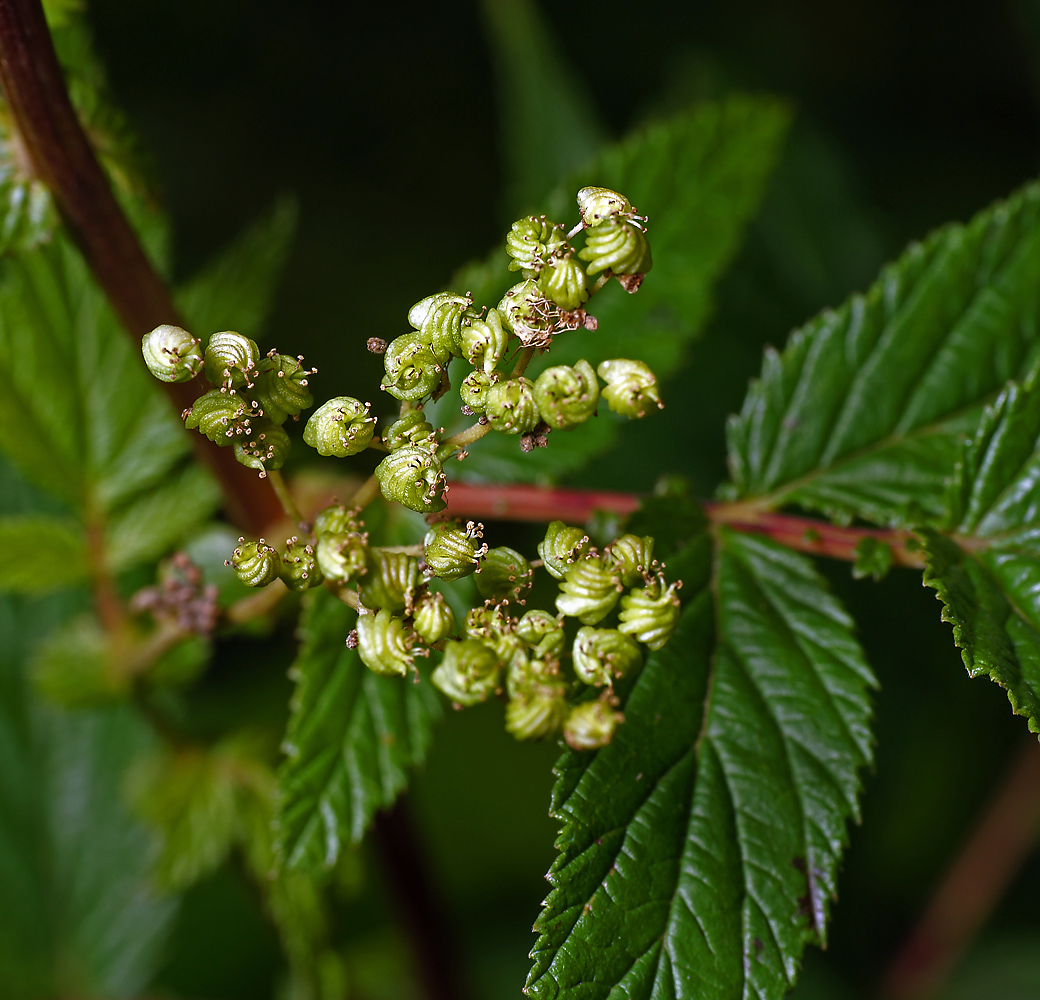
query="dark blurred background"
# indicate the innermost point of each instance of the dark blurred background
(382, 119)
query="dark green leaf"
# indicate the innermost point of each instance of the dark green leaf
(988, 574)
(699, 177)
(76, 915)
(549, 123)
(352, 739)
(861, 413)
(41, 553)
(699, 850)
(237, 289)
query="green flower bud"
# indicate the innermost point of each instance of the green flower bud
(300, 570)
(469, 671)
(598, 204)
(563, 281)
(383, 644)
(511, 406)
(483, 342)
(561, 546)
(256, 564)
(342, 555)
(633, 556)
(474, 390)
(591, 725)
(390, 581)
(602, 654)
(411, 428)
(542, 631)
(265, 448)
(413, 370)
(340, 427)
(588, 592)
(452, 552)
(631, 387)
(538, 709)
(619, 246)
(412, 476)
(439, 318)
(172, 354)
(336, 519)
(651, 613)
(526, 312)
(433, 619)
(504, 575)
(532, 242)
(230, 357)
(567, 396)
(218, 415)
(494, 628)
(280, 387)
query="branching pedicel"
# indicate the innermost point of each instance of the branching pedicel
(399, 615)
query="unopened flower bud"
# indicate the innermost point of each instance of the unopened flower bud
(591, 725)
(342, 555)
(265, 447)
(560, 547)
(511, 406)
(336, 519)
(218, 415)
(483, 342)
(542, 631)
(633, 557)
(384, 644)
(413, 370)
(340, 427)
(474, 390)
(525, 312)
(172, 354)
(504, 575)
(281, 388)
(256, 564)
(598, 204)
(230, 357)
(300, 570)
(390, 580)
(452, 552)
(589, 590)
(650, 613)
(412, 476)
(538, 708)
(617, 245)
(532, 242)
(433, 620)
(469, 671)
(439, 318)
(567, 396)
(631, 387)
(411, 428)
(494, 628)
(563, 281)
(601, 655)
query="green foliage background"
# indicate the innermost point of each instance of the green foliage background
(387, 131)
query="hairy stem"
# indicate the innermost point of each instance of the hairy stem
(972, 886)
(62, 157)
(464, 438)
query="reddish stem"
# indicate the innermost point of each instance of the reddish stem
(534, 503)
(62, 157)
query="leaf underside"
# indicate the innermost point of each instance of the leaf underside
(699, 177)
(699, 850)
(861, 414)
(988, 574)
(352, 738)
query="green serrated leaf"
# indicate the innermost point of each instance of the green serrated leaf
(237, 289)
(549, 124)
(988, 574)
(699, 177)
(861, 414)
(41, 553)
(699, 850)
(352, 738)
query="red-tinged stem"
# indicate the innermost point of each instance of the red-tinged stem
(972, 886)
(62, 157)
(818, 538)
(534, 503)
